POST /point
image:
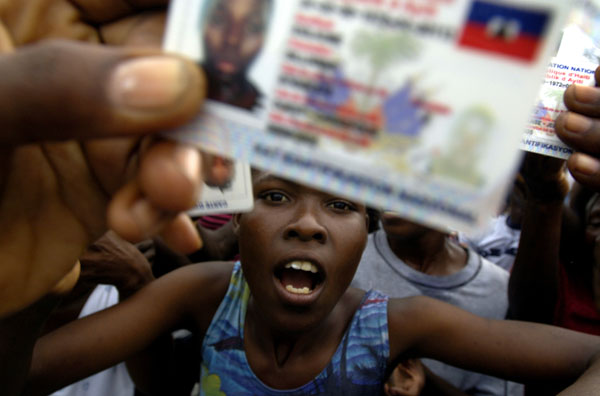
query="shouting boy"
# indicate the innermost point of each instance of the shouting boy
(285, 322)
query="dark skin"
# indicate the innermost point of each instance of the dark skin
(424, 249)
(313, 225)
(549, 238)
(552, 232)
(534, 282)
(516, 205)
(580, 129)
(407, 379)
(110, 260)
(309, 228)
(61, 186)
(433, 253)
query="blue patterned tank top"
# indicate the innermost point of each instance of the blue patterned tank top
(358, 367)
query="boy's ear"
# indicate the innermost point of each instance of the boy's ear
(235, 221)
(407, 379)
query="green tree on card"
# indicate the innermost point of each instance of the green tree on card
(383, 50)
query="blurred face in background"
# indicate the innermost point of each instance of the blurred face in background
(396, 227)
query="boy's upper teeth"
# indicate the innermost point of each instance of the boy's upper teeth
(303, 266)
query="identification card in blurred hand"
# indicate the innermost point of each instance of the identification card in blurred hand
(575, 63)
(231, 194)
(539, 136)
(415, 106)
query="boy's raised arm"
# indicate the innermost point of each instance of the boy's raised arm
(18, 333)
(519, 351)
(99, 341)
(156, 368)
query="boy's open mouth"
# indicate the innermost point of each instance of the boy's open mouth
(299, 277)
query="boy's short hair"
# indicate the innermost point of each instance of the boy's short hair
(210, 4)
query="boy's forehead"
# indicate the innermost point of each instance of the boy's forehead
(260, 176)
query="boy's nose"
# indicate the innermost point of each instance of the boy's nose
(306, 227)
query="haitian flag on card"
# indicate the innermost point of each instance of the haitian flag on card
(505, 29)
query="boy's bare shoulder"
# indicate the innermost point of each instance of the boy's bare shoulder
(202, 287)
(204, 279)
(212, 270)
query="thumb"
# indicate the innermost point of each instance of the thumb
(6, 44)
(67, 283)
(66, 90)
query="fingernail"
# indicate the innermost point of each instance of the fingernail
(586, 165)
(148, 83)
(188, 160)
(577, 123)
(585, 94)
(148, 219)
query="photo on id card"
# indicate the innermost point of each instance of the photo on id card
(412, 106)
(228, 190)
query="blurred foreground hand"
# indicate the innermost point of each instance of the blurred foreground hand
(75, 152)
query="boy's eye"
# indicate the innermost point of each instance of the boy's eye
(341, 205)
(274, 196)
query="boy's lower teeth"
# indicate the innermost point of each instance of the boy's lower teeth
(292, 289)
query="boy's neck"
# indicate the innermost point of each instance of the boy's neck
(278, 345)
(432, 253)
(287, 360)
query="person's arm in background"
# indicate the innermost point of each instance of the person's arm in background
(219, 244)
(533, 284)
(109, 261)
(113, 261)
(580, 129)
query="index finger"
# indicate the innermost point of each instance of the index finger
(30, 21)
(584, 99)
(109, 10)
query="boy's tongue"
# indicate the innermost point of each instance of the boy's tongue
(297, 279)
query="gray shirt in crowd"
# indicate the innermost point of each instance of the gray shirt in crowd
(480, 287)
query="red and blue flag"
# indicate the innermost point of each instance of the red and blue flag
(505, 29)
